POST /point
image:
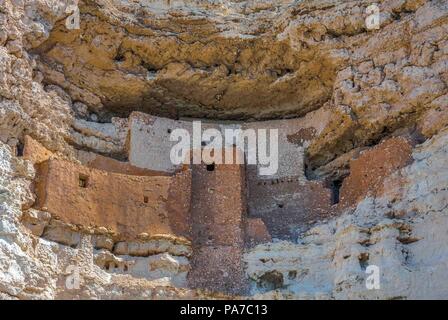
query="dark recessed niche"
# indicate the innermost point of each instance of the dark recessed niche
(335, 191)
(83, 181)
(119, 58)
(19, 149)
(145, 199)
(211, 167)
(169, 131)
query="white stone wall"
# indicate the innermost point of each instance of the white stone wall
(150, 145)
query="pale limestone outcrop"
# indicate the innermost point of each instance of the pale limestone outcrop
(154, 246)
(109, 138)
(173, 269)
(25, 105)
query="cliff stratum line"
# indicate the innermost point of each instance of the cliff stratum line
(87, 185)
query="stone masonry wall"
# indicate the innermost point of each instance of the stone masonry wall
(218, 213)
(125, 205)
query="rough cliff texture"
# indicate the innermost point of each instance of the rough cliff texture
(355, 91)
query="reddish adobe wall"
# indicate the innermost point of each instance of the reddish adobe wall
(218, 209)
(369, 170)
(111, 165)
(288, 206)
(126, 205)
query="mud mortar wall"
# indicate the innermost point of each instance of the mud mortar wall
(125, 205)
(218, 214)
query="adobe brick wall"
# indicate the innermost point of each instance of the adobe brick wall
(150, 148)
(100, 162)
(288, 206)
(150, 145)
(149, 140)
(369, 170)
(124, 204)
(290, 152)
(287, 202)
(217, 217)
(218, 204)
(218, 269)
(179, 203)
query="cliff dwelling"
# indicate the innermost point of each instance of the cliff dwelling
(191, 222)
(94, 95)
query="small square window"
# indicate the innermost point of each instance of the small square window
(145, 199)
(83, 181)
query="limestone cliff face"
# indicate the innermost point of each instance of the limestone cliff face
(71, 90)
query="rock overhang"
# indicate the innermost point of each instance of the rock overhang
(153, 67)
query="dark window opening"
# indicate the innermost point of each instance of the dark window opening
(335, 191)
(169, 131)
(203, 143)
(280, 205)
(83, 181)
(149, 67)
(119, 58)
(211, 167)
(145, 199)
(19, 149)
